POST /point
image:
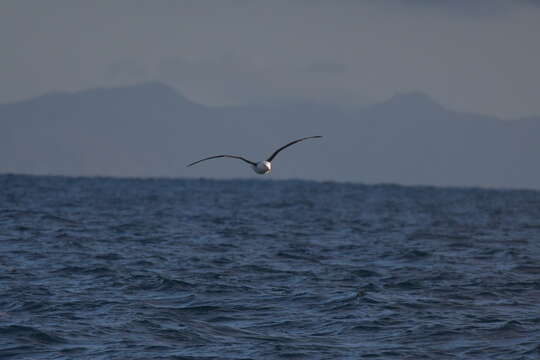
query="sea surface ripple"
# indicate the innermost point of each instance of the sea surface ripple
(100, 268)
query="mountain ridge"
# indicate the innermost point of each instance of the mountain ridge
(153, 130)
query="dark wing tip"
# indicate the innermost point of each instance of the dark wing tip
(289, 144)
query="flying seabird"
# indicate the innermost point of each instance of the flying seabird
(261, 167)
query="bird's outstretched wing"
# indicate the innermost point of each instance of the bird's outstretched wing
(220, 156)
(289, 144)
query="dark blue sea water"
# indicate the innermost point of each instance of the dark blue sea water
(96, 268)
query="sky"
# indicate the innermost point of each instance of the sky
(477, 56)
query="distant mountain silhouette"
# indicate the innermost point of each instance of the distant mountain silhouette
(152, 130)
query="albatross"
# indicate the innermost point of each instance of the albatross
(261, 167)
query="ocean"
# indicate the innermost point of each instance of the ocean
(104, 268)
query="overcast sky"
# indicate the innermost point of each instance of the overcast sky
(480, 56)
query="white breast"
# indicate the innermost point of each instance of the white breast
(262, 167)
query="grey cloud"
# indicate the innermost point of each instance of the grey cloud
(463, 7)
(127, 70)
(232, 51)
(326, 67)
(184, 68)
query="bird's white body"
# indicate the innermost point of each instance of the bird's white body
(262, 167)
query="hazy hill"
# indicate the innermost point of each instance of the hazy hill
(151, 130)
